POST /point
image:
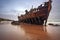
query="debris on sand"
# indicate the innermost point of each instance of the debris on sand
(53, 24)
(15, 22)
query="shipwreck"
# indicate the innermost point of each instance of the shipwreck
(37, 15)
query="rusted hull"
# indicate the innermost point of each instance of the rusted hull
(36, 20)
(38, 15)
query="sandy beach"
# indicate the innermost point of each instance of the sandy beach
(26, 31)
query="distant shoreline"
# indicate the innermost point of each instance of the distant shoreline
(2, 19)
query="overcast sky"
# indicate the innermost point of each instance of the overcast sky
(13, 7)
(19, 6)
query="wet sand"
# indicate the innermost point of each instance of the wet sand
(26, 31)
